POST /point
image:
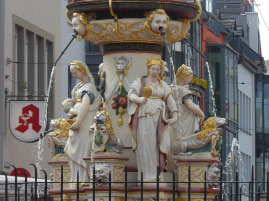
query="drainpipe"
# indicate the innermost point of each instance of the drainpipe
(2, 78)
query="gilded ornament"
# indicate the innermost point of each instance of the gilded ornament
(209, 126)
(114, 15)
(182, 72)
(131, 30)
(67, 17)
(66, 197)
(198, 4)
(197, 175)
(79, 66)
(154, 60)
(147, 91)
(122, 64)
(62, 128)
(199, 82)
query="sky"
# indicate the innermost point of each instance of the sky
(264, 31)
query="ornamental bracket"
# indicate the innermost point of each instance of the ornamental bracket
(114, 15)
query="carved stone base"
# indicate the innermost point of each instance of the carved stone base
(198, 168)
(199, 165)
(105, 163)
(56, 164)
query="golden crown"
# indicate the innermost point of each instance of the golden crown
(154, 61)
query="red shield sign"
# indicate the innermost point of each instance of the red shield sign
(27, 119)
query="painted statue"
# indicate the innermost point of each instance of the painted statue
(79, 23)
(148, 97)
(211, 132)
(119, 98)
(164, 71)
(104, 139)
(157, 20)
(190, 115)
(121, 64)
(81, 107)
(59, 135)
(102, 76)
(213, 175)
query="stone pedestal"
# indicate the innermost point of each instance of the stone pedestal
(56, 164)
(105, 163)
(196, 165)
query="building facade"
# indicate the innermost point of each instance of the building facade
(262, 127)
(30, 40)
(231, 42)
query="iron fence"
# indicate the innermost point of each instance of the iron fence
(37, 189)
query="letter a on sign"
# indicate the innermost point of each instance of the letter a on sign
(27, 119)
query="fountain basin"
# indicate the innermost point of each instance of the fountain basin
(176, 9)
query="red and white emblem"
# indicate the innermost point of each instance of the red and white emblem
(27, 119)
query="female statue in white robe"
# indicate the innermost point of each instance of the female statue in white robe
(82, 107)
(150, 134)
(190, 114)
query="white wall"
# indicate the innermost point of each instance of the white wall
(46, 16)
(2, 78)
(253, 19)
(247, 140)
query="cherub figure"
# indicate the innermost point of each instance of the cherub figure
(79, 23)
(157, 21)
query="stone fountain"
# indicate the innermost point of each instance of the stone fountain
(130, 33)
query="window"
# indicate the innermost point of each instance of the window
(93, 49)
(245, 107)
(33, 62)
(259, 104)
(94, 57)
(245, 171)
(266, 107)
(209, 6)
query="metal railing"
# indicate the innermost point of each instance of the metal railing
(36, 189)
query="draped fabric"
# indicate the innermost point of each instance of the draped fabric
(151, 141)
(187, 122)
(78, 145)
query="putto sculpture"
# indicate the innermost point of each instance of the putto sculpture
(157, 21)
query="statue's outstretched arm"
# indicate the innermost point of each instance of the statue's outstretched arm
(194, 108)
(139, 100)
